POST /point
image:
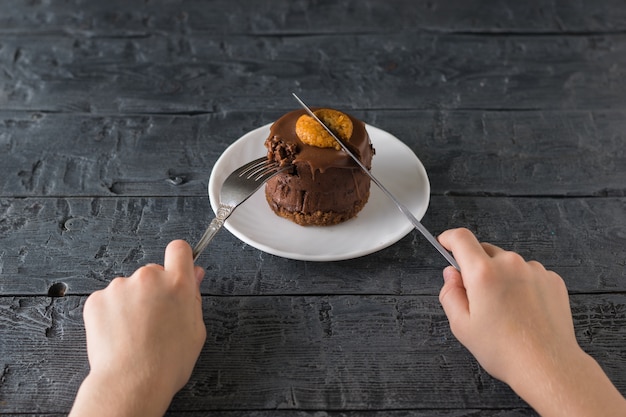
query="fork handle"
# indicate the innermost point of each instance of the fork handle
(216, 224)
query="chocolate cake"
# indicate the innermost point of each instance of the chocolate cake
(325, 186)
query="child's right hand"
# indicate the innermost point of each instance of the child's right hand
(505, 310)
(514, 317)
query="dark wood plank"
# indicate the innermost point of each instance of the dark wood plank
(205, 73)
(464, 152)
(295, 352)
(537, 153)
(121, 18)
(513, 412)
(112, 115)
(518, 412)
(85, 242)
(111, 155)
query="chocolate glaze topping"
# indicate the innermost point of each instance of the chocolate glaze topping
(285, 146)
(325, 186)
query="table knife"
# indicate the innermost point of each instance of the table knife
(416, 223)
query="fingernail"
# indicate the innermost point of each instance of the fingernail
(448, 272)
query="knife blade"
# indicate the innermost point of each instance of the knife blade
(416, 223)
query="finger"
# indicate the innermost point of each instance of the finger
(157, 266)
(453, 299)
(91, 304)
(463, 244)
(178, 258)
(491, 250)
(199, 272)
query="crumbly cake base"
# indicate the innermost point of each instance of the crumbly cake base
(318, 218)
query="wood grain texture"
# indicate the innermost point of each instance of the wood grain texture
(122, 18)
(295, 352)
(517, 412)
(86, 242)
(464, 152)
(197, 73)
(113, 113)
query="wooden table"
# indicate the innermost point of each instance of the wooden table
(113, 114)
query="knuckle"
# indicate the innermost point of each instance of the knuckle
(513, 258)
(536, 265)
(463, 232)
(113, 285)
(145, 272)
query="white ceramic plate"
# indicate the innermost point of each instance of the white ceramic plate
(379, 225)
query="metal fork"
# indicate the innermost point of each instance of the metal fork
(237, 188)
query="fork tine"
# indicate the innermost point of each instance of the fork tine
(262, 170)
(258, 170)
(250, 165)
(267, 173)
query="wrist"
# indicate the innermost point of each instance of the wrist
(537, 362)
(568, 382)
(120, 394)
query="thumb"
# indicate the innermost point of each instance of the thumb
(453, 299)
(178, 258)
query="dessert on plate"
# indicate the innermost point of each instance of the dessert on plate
(325, 186)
